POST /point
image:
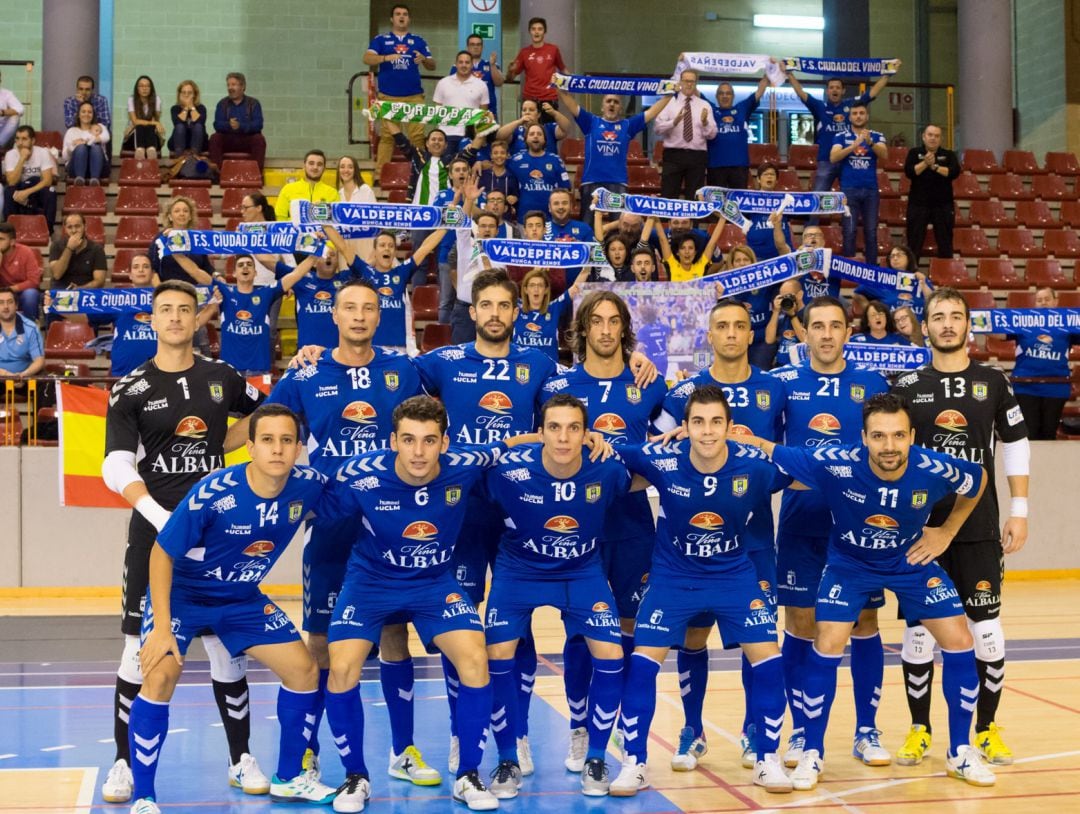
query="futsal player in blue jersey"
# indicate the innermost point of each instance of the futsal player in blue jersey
(708, 490)
(824, 399)
(881, 494)
(756, 402)
(553, 501)
(205, 569)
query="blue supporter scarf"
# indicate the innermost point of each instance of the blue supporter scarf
(878, 357)
(1017, 320)
(830, 66)
(347, 232)
(108, 301)
(381, 215)
(621, 85)
(771, 272)
(560, 254)
(875, 276)
(649, 206)
(760, 202)
(209, 241)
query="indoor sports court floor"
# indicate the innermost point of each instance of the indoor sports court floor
(57, 663)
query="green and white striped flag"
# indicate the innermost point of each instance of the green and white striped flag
(437, 115)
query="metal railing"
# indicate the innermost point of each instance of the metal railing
(29, 65)
(11, 423)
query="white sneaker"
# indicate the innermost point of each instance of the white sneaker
(144, 806)
(454, 761)
(470, 790)
(867, 748)
(795, 745)
(302, 788)
(525, 759)
(247, 775)
(633, 777)
(579, 747)
(118, 784)
(594, 778)
(410, 765)
(506, 780)
(353, 794)
(770, 775)
(968, 766)
(806, 774)
(691, 749)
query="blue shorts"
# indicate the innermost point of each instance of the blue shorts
(626, 565)
(925, 593)
(586, 602)
(764, 562)
(799, 563)
(735, 600)
(474, 551)
(434, 605)
(326, 554)
(240, 623)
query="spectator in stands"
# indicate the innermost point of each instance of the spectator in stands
(400, 82)
(497, 178)
(498, 206)
(460, 89)
(901, 258)
(188, 120)
(540, 315)
(85, 148)
(617, 254)
(607, 144)
(908, 325)
(145, 133)
(562, 226)
(534, 225)
(932, 170)
(878, 327)
(685, 126)
(469, 263)
(729, 149)
(179, 213)
(539, 60)
(430, 173)
(351, 185)
(22, 351)
(254, 208)
(537, 171)
(309, 188)
(459, 171)
(785, 328)
(681, 226)
(514, 132)
(11, 110)
(134, 339)
(760, 237)
(681, 258)
(643, 265)
(636, 230)
(29, 172)
(75, 261)
(486, 70)
(84, 92)
(857, 152)
(238, 123)
(20, 271)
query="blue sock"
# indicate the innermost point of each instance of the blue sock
(867, 674)
(638, 707)
(148, 722)
(396, 678)
(748, 693)
(605, 692)
(960, 684)
(795, 650)
(320, 706)
(474, 714)
(453, 684)
(818, 692)
(504, 690)
(767, 698)
(577, 672)
(627, 642)
(345, 714)
(693, 668)
(297, 719)
(525, 667)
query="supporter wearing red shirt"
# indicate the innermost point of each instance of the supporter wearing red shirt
(539, 60)
(20, 270)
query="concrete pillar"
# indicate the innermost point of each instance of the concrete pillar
(69, 50)
(847, 29)
(984, 65)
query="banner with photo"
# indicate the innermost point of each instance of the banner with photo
(1019, 320)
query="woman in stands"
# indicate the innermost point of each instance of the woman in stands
(901, 258)
(680, 254)
(189, 121)
(179, 213)
(617, 270)
(537, 325)
(908, 325)
(352, 189)
(878, 327)
(84, 148)
(145, 133)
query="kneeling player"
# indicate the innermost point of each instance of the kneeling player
(880, 495)
(245, 511)
(708, 490)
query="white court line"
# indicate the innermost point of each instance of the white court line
(168, 732)
(105, 740)
(58, 748)
(8, 755)
(723, 733)
(112, 687)
(86, 791)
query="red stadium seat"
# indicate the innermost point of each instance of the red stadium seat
(1069, 299)
(998, 272)
(1035, 214)
(884, 240)
(977, 348)
(67, 340)
(893, 211)
(30, 230)
(395, 175)
(139, 173)
(1070, 213)
(137, 201)
(895, 160)
(989, 213)
(834, 237)
(979, 299)
(87, 200)
(1009, 187)
(1019, 242)
(731, 236)
(233, 199)
(1004, 350)
(397, 196)
(635, 155)
(201, 196)
(884, 185)
(950, 272)
(930, 246)
(1021, 162)
(241, 173)
(1045, 272)
(49, 139)
(95, 228)
(971, 242)
(122, 263)
(436, 335)
(658, 154)
(1051, 188)
(967, 187)
(135, 231)
(643, 179)
(1061, 243)
(1062, 164)
(802, 156)
(760, 153)
(1020, 299)
(572, 150)
(980, 161)
(425, 303)
(788, 181)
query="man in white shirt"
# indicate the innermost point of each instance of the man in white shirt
(29, 173)
(10, 111)
(460, 89)
(685, 125)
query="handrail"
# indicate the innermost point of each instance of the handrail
(29, 64)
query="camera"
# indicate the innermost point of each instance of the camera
(787, 303)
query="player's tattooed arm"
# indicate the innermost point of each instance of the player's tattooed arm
(160, 642)
(934, 541)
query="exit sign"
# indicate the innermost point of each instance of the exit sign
(485, 30)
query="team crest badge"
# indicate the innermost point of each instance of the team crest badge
(521, 373)
(918, 498)
(296, 510)
(453, 495)
(739, 485)
(217, 392)
(763, 399)
(391, 380)
(858, 393)
(633, 393)
(979, 391)
(592, 492)
(320, 212)
(256, 300)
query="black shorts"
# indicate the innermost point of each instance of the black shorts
(141, 537)
(977, 569)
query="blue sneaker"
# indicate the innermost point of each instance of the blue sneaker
(749, 747)
(691, 749)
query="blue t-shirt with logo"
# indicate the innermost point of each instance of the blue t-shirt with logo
(134, 341)
(859, 169)
(391, 286)
(401, 77)
(537, 176)
(245, 326)
(730, 147)
(533, 329)
(607, 145)
(1041, 353)
(831, 119)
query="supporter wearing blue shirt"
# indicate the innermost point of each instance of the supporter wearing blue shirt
(22, 352)
(761, 237)
(561, 227)
(498, 177)
(878, 327)
(729, 149)
(857, 152)
(539, 316)
(134, 338)
(901, 259)
(537, 172)
(514, 132)
(315, 298)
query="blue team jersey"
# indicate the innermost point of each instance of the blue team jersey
(730, 147)
(571, 230)
(134, 341)
(541, 331)
(405, 531)
(876, 521)
(859, 169)
(1043, 354)
(314, 303)
(760, 236)
(896, 299)
(400, 77)
(823, 409)
(830, 120)
(653, 342)
(537, 176)
(861, 338)
(703, 516)
(392, 300)
(518, 145)
(815, 284)
(346, 410)
(224, 538)
(553, 526)
(245, 326)
(487, 399)
(607, 146)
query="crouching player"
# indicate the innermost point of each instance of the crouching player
(245, 513)
(708, 489)
(880, 495)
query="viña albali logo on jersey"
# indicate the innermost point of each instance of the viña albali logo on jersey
(879, 532)
(711, 539)
(188, 457)
(359, 435)
(493, 423)
(951, 436)
(564, 542)
(425, 552)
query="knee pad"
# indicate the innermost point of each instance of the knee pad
(918, 645)
(223, 667)
(129, 669)
(989, 639)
